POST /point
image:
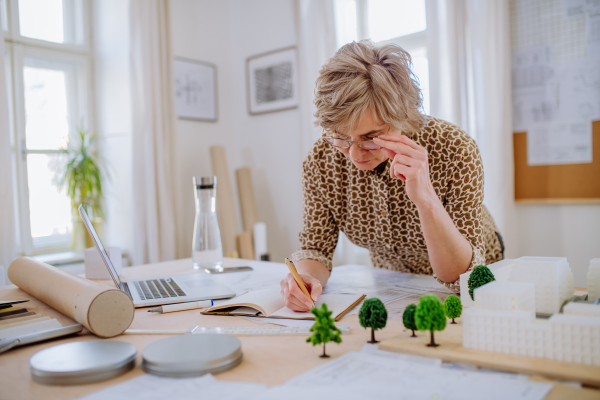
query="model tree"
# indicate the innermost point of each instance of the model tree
(408, 318)
(430, 316)
(324, 329)
(479, 277)
(452, 307)
(372, 315)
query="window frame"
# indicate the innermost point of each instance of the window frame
(20, 49)
(416, 43)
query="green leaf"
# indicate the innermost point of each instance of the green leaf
(479, 277)
(429, 315)
(324, 329)
(452, 306)
(408, 317)
(373, 314)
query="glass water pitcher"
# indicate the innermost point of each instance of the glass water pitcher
(207, 252)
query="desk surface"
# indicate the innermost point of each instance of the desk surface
(269, 360)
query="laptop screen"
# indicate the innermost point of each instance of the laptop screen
(99, 246)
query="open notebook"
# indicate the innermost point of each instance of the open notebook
(270, 304)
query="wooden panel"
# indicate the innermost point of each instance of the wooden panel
(569, 183)
(247, 202)
(245, 246)
(451, 350)
(225, 205)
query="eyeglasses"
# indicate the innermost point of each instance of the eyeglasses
(345, 144)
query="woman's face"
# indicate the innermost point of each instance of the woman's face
(366, 130)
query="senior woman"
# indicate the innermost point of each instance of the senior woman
(406, 186)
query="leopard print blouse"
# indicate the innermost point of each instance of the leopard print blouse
(374, 211)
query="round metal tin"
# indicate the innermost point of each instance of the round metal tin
(192, 355)
(82, 362)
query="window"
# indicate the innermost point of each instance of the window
(402, 22)
(47, 63)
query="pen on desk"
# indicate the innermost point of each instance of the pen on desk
(182, 306)
(297, 278)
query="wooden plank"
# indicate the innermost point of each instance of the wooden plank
(558, 201)
(245, 247)
(247, 201)
(225, 206)
(451, 350)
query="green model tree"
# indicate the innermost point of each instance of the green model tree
(452, 307)
(372, 315)
(479, 277)
(430, 316)
(408, 318)
(324, 329)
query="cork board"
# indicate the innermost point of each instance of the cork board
(560, 184)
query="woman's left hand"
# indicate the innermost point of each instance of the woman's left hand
(409, 163)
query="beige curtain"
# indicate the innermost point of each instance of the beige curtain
(7, 209)
(470, 85)
(154, 135)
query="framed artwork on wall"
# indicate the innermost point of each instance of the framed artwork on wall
(272, 81)
(195, 90)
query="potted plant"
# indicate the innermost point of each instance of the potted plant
(82, 175)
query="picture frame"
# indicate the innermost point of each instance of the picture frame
(272, 81)
(195, 90)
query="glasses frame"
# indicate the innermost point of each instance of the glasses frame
(349, 142)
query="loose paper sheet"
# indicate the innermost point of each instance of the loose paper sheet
(556, 103)
(371, 375)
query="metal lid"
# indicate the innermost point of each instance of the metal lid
(205, 182)
(192, 355)
(82, 362)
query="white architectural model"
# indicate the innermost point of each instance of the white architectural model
(552, 277)
(501, 271)
(503, 321)
(506, 296)
(586, 309)
(593, 279)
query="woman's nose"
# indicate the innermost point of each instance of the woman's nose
(355, 150)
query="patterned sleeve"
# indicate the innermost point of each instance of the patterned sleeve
(319, 234)
(464, 203)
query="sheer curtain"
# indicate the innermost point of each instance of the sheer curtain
(154, 133)
(315, 24)
(470, 86)
(7, 209)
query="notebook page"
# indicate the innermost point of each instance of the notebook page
(269, 300)
(335, 302)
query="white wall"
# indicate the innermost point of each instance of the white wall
(201, 30)
(269, 143)
(571, 231)
(226, 33)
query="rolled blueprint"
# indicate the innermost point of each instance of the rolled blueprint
(260, 239)
(105, 311)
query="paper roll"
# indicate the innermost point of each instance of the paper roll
(103, 310)
(260, 239)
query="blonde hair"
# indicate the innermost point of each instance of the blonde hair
(362, 75)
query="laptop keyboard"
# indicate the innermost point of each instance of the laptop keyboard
(158, 289)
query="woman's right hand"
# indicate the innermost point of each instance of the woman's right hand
(294, 297)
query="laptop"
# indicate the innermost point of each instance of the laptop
(164, 289)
